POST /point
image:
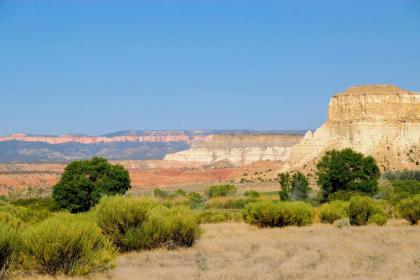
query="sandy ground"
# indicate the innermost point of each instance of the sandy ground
(239, 251)
(145, 175)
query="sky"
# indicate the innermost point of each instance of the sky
(92, 67)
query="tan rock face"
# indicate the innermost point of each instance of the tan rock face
(150, 138)
(239, 149)
(379, 120)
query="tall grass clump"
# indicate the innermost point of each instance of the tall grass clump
(271, 214)
(333, 211)
(118, 215)
(25, 215)
(409, 209)
(10, 247)
(221, 190)
(363, 208)
(138, 224)
(67, 244)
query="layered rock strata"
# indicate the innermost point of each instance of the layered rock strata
(239, 149)
(378, 120)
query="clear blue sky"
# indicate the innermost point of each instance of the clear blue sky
(93, 67)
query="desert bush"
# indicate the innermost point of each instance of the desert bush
(152, 233)
(175, 227)
(335, 210)
(379, 219)
(24, 215)
(402, 175)
(251, 194)
(342, 223)
(40, 204)
(160, 193)
(67, 244)
(409, 209)
(270, 214)
(344, 195)
(361, 209)
(221, 190)
(10, 247)
(10, 220)
(117, 215)
(213, 217)
(184, 227)
(196, 200)
(138, 223)
(227, 203)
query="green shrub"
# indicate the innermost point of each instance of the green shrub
(67, 244)
(402, 175)
(270, 214)
(23, 214)
(196, 200)
(152, 233)
(212, 217)
(10, 220)
(184, 228)
(227, 203)
(361, 209)
(344, 195)
(117, 215)
(379, 219)
(251, 194)
(221, 190)
(136, 224)
(160, 194)
(40, 204)
(10, 247)
(335, 210)
(409, 209)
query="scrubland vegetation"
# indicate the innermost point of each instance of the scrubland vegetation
(46, 236)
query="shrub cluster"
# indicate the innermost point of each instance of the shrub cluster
(227, 203)
(363, 210)
(272, 214)
(138, 223)
(211, 217)
(333, 211)
(20, 217)
(409, 209)
(221, 190)
(66, 244)
(402, 175)
(10, 246)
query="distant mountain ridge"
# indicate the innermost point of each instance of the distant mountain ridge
(121, 145)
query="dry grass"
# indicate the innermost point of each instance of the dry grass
(239, 251)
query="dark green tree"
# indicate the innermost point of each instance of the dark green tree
(285, 181)
(84, 182)
(347, 170)
(299, 187)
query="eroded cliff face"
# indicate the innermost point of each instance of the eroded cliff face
(379, 120)
(149, 137)
(239, 149)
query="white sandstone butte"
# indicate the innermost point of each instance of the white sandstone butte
(239, 149)
(378, 120)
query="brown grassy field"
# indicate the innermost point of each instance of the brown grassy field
(240, 251)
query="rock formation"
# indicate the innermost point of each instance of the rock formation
(239, 149)
(146, 137)
(378, 120)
